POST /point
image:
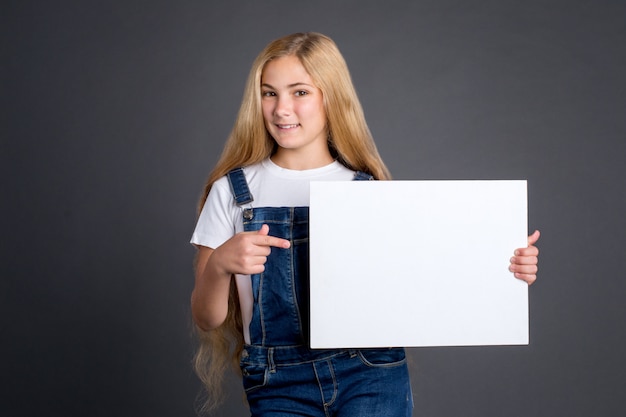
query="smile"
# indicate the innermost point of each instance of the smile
(287, 126)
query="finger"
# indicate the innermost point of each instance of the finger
(529, 251)
(528, 278)
(532, 239)
(267, 240)
(259, 261)
(264, 230)
(524, 269)
(524, 260)
(254, 264)
(255, 269)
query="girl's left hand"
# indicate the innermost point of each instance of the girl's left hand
(524, 263)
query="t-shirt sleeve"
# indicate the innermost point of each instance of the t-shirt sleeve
(216, 223)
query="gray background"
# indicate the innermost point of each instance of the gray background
(114, 112)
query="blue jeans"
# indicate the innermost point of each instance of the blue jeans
(296, 381)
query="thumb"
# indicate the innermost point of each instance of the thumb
(264, 230)
(532, 239)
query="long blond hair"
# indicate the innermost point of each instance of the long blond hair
(249, 142)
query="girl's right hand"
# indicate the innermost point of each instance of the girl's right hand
(246, 252)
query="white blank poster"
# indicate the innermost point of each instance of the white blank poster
(417, 263)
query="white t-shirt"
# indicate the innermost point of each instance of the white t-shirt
(270, 186)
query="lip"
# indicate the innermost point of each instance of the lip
(286, 126)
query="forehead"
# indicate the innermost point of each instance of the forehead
(285, 70)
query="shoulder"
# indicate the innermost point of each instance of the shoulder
(222, 184)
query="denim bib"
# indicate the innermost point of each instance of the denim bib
(280, 315)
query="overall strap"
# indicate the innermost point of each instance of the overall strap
(239, 187)
(362, 176)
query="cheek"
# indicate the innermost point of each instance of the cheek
(320, 110)
(312, 111)
(267, 111)
(320, 113)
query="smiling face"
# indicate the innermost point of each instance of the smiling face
(294, 114)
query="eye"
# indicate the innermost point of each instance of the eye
(301, 93)
(268, 93)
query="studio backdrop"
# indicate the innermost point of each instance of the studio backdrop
(113, 114)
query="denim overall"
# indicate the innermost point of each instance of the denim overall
(282, 376)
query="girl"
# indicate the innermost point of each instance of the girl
(300, 120)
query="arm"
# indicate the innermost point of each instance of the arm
(246, 254)
(524, 263)
(209, 299)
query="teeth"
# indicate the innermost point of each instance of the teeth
(287, 126)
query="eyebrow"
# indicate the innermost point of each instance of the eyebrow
(298, 84)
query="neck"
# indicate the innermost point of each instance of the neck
(300, 161)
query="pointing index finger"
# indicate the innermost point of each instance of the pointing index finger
(274, 241)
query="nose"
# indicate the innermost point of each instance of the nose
(284, 105)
